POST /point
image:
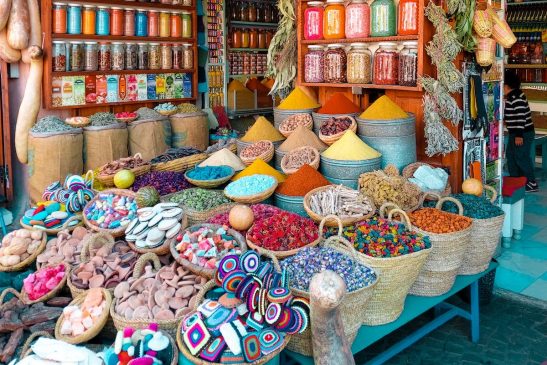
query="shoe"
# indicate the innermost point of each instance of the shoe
(532, 187)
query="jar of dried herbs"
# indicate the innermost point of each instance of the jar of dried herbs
(131, 56)
(359, 64)
(76, 56)
(143, 56)
(188, 56)
(118, 56)
(334, 68)
(59, 56)
(91, 56)
(166, 56)
(154, 55)
(408, 64)
(105, 62)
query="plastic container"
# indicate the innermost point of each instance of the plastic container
(383, 22)
(335, 63)
(313, 20)
(89, 16)
(141, 23)
(293, 204)
(313, 64)
(74, 19)
(129, 22)
(386, 64)
(408, 64)
(102, 26)
(407, 17)
(334, 17)
(357, 19)
(359, 64)
(59, 18)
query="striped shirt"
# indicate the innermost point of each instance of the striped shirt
(518, 117)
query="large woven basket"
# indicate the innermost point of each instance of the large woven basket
(29, 260)
(180, 164)
(209, 184)
(195, 216)
(199, 270)
(410, 169)
(164, 248)
(335, 137)
(117, 232)
(314, 163)
(353, 305)
(108, 179)
(265, 156)
(90, 332)
(441, 267)
(66, 225)
(306, 121)
(254, 198)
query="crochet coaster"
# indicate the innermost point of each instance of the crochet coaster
(190, 319)
(232, 280)
(196, 337)
(244, 287)
(229, 300)
(300, 302)
(215, 293)
(242, 309)
(220, 316)
(240, 327)
(228, 264)
(262, 301)
(208, 307)
(252, 298)
(249, 261)
(285, 278)
(264, 269)
(279, 295)
(213, 352)
(276, 280)
(304, 316)
(296, 324)
(285, 320)
(231, 337)
(251, 347)
(273, 312)
(270, 341)
(255, 321)
(230, 358)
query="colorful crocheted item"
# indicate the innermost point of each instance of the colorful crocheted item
(251, 347)
(213, 352)
(270, 341)
(249, 262)
(196, 337)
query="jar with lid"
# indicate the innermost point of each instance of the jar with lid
(143, 56)
(408, 17)
(88, 20)
(334, 17)
(359, 64)
(116, 21)
(131, 56)
(176, 25)
(118, 56)
(186, 24)
(129, 22)
(105, 61)
(313, 64)
(153, 23)
(251, 12)
(259, 12)
(76, 56)
(235, 14)
(269, 37)
(154, 56)
(313, 20)
(178, 61)
(141, 23)
(383, 18)
(268, 13)
(58, 18)
(188, 56)
(245, 41)
(102, 26)
(236, 38)
(357, 19)
(262, 39)
(386, 64)
(253, 38)
(167, 2)
(166, 56)
(91, 56)
(74, 19)
(165, 24)
(59, 56)
(334, 64)
(408, 64)
(243, 13)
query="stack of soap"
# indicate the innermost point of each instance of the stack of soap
(79, 318)
(154, 225)
(47, 215)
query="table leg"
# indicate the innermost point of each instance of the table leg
(475, 321)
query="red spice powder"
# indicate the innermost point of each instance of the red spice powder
(338, 103)
(302, 181)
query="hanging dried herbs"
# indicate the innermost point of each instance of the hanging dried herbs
(464, 24)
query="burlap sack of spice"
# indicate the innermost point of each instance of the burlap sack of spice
(190, 130)
(104, 144)
(149, 137)
(51, 157)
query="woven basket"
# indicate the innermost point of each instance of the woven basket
(265, 156)
(409, 171)
(314, 163)
(180, 164)
(29, 260)
(26, 350)
(164, 248)
(91, 332)
(167, 113)
(319, 118)
(501, 31)
(255, 198)
(482, 24)
(353, 305)
(335, 137)
(108, 180)
(199, 270)
(306, 121)
(195, 216)
(65, 226)
(441, 267)
(333, 222)
(117, 232)
(486, 51)
(209, 184)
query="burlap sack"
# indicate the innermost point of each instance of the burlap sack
(51, 157)
(149, 137)
(104, 144)
(190, 130)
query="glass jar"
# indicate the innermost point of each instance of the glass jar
(116, 23)
(186, 24)
(313, 64)
(334, 64)
(243, 13)
(176, 25)
(91, 56)
(187, 3)
(357, 19)
(269, 37)
(167, 2)
(268, 13)
(245, 41)
(251, 12)
(153, 23)
(334, 19)
(118, 56)
(89, 19)
(408, 64)
(262, 39)
(76, 56)
(154, 56)
(165, 24)
(102, 26)
(166, 56)
(105, 61)
(253, 38)
(58, 18)
(59, 56)
(234, 11)
(386, 64)
(359, 64)
(236, 38)
(313, 20)
(383, 18)
(407, 17)
(129, 23)
(260, 13)
(141, 23)
(143, 56)
(131, 56)
(188, 56)
(178, 60)
(74, 19)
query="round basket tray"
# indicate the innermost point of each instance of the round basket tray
(167, 113)
(78, 122)
(165, 247)
(90, 332)
(410, 169)
(108, 179)
(118, 232)
(279, 254)
(256, 198)
(330, 222)
(209, 184)
(199, 270)
(180, 164)
(314, 163)
(29, 260)
(335, 137)
(265, 156)
(307, 122)
(65, 226)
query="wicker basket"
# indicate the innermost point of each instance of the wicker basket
(409, 171)
(333, 222)
(335, 137)
(306, 121)
(482, 24)
(91, 332)
(108, 180)
(29, 260)
(195, 216)
(501, 31)
(486, 51)
(447, 254)
(209, 184)
(180, 164)
(265, 156)
(199, 270)
(164, 248)
(319, 118)
(255, 198)
(117, 232)
(167, 113)
(65, 226)
(314, 163)
(78, 122)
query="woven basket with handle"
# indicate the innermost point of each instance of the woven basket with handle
(116, 232)
(335, 137)
(290, 155)
(108, 179)
(289, 125)
(180, 164)
(196, 216)
(410, 169)
(29, 260)
(209, 184)
(265, 156)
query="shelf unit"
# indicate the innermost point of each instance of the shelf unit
(253, 24)
(216, 31)
(49, 37)
(538, 65)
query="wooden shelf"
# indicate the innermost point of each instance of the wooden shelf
(121, 38)
(365, 86)
(528, 3)
(246, 75)
(249, 49)
(526, 65)
(252, 24)
(398, 38)
(131, 4)
(121, 72)
(182, 100)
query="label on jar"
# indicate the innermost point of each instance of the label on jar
(333, 21)
(79, 90)
(151, 87)
(132, 88)
(57, 92)
(142, 87)
(112, 88)
(179, 91)
(101, 89)
(122, 88)
(68, 90)
(313, 23)
(169, 86)
(382, 19)
(187, 85)
(90, 90)
(160, 86)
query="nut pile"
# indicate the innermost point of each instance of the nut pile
(65, 247)
(335, 125)
(17, 246)
(294, 121)
(256, 149)
(299, 157)
(340, 201)
(125, 163)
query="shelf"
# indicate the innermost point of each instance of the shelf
(528, 3)
(133, 5)
(121, 72)
(246, 75)
(181, 100)
(248, 49)
(527, 65)
(397, 38)
(253, 24)
(246, 112)
(121, 38)
(366, 86)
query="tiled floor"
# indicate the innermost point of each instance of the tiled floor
(523, 267)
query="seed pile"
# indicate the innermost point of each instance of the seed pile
(102, 119)
(256, 149)
(335, 125)
(340, 201)
(165, 182)
(473, 206)
(199, 199)
(175, 153)
(436, 221)
(50, 124)
(299, 157)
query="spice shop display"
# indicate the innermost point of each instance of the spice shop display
(301, 182)
(338, 103)
(350, 148)
(65, 247)
(262, 168)
(298, 100)
(298, 157)
(263, 150)
(20, 248)
(251, 189)
(290, 124)
(209, 176)
(262, 129)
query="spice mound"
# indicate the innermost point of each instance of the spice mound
(187, 108)
(17, 246)
(340, 201)
(250, 185)
(165, 182)
(66, 247)
(301, 137)
(199, 199)
(50, 124)
(384, 109)
(350, 148)
(283, 232)
(125, 163)
(475, 207)
(111, 211)
(43, 281)
(338, 103)
(204, 246)
(436, 221)
(312, 260)
(175, 153)
(379, 237)
(261, 168)
(260, 211)
(335, 125)
(224, 157)
(298, 100)
(77, 319)
(147, 113)
(210, 172)
(262, 129)
(256, 149)
(154, 226)
(102, 119)
(299, 157)
(302, 182)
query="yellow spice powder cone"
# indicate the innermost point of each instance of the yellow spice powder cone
(261, 130)
(384, 109)
(298, 100)
(350, 148)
